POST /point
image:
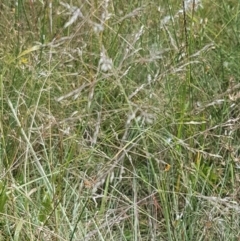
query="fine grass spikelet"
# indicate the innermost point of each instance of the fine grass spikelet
(166, 20)
(98, 28)
(139, 34)
(105, 62)
(192, 5)
(105, 14)
(75, 13)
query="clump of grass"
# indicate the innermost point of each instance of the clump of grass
(119, 121)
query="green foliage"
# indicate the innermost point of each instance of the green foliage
(46, 208)
(3, 196)
(119, 120)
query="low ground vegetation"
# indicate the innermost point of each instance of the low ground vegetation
(119, 121)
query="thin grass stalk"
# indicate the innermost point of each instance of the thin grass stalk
(36, 160)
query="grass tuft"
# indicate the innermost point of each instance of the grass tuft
(119, 121)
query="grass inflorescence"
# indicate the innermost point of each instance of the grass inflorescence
(119, 120)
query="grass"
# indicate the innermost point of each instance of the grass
(119, 121)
